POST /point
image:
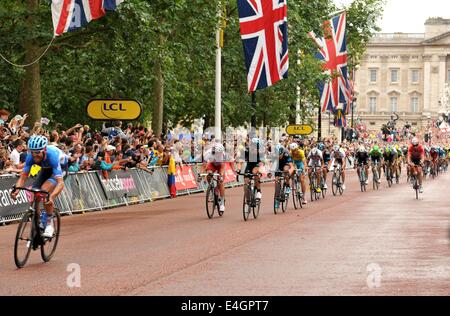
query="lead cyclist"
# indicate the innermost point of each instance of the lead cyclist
(54, 165)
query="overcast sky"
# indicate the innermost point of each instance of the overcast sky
(409, 15)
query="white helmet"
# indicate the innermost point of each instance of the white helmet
(336, 147)
(415, 141)
(362, 149)
(314, 151)
(256, 141)
(293, 146)
(218, 148)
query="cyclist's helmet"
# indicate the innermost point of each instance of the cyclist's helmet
(256, 141)
(37, 143)
(279, 149)
(293, 146)
(376, 148)
(218, 148)
(336, 147)
(415, 141)
(362, 149)
(314, 151)
(321, 146)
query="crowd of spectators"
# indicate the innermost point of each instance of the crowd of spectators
(116, 146)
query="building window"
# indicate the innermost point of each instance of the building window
(414, 104)
(394, 75)
(415, 76)
(394, 104)
(373, 105)
(373, 75)
(372, 123)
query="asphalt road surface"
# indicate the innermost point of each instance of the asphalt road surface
(375, 243)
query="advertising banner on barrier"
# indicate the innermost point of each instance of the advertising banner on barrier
(229, 175)
(119, 184)
(7, 205)
(185, 178)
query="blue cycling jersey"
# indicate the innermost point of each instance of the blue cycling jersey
(54, 159)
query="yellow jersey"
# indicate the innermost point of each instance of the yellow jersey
(298, 154)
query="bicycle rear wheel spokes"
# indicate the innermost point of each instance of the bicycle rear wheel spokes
(210, 202)
(24, 240)
(49, 247)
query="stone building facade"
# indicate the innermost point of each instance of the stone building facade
(406, 74)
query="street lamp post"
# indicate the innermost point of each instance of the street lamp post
(353, 109)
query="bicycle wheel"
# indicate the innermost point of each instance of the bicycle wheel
(210, 202)
(276, 199)
(341, 189)
(246, 207)
(256, 206)
(375, 180)
(24, 240)
(324, 191)
(285, 199)
(312, 187)
(416, 187)
(49, 247)
(389, 176)
(295, 195)
(334, 185)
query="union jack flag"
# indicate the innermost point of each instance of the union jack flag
(263, 25)
(69, 15)
(333, 52)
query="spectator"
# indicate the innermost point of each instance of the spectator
(15, 154)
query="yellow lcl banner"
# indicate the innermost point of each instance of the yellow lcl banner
(107, 110)
(299, 129)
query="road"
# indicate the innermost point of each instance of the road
(375, 243)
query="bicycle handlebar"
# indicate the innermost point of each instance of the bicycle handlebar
(31, 190)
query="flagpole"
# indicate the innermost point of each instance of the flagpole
(336, 13)
(218, 101)
(253, 120)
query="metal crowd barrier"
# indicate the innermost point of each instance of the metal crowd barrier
(86, 191)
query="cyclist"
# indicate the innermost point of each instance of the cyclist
(375, 156)
(398, 167)
(315, 159)
(253, 159)
(434, 155)
(283, 163)
(54, 166)
(299, 159)
(415, 158)
(214, 162)
(338, 155)
(362, 159)
(326, 155)
(390, 158)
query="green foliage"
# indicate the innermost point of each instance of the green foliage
(113, 57)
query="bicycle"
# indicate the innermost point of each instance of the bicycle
(414, 181)
(283, 196)
(34, 239)
(388, 173)
(362, 177)
(212, 194)
(313, 183)
(297, 195)
(250, 202)
(336, 185)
